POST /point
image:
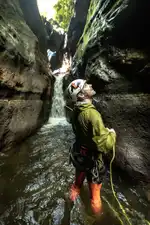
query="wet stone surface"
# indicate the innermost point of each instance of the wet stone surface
(35, 180)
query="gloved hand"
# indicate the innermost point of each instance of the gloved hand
(111, 130)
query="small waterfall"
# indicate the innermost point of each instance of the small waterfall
(58, 115)
(58, 103)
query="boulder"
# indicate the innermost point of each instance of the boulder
(56, 41)
(56, 44)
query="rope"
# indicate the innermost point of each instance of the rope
(113, 191)
(115, 212)
(68, 108)
(148, 223)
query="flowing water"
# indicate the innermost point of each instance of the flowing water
(58, 103)
(35, 179)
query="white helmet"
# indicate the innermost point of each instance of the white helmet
(74, 88)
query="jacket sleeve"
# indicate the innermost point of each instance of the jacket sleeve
(103, 138)
(96, 122)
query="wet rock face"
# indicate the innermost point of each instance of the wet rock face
(129, 115)
(56, 41)
(34, 21)
(114, 55)
(56, 44)
(48, 37)
(77, 24)
(25, 81)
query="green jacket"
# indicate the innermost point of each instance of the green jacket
(90, 131)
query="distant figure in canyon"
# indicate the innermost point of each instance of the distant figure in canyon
(92, 142)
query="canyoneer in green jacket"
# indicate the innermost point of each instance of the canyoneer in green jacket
(93, 141)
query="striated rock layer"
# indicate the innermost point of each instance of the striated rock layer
(114, 55)
(25, 81)
(77, 24)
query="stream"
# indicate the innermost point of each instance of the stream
(35, 179)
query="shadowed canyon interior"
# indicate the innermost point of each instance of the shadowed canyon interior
(108, 44)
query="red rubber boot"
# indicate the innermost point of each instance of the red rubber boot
(75, 188)
(96, 203)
